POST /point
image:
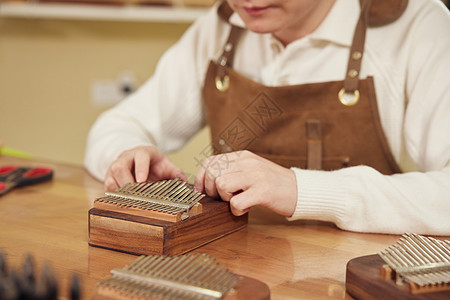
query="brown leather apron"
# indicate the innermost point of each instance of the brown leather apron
(326, 125)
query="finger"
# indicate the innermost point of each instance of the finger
(110, 183)
(165, 169)
(241, 203)
(199, 181)
(142, 165)
(231, 184)
(212, 169)
(120, 170)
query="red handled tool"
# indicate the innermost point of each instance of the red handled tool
(13, 176)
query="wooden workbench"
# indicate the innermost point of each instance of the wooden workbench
(297, 260)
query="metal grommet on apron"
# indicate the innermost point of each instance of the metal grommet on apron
(324, 125)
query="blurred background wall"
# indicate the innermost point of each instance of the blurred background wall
(49, 69)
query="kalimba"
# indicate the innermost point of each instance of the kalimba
(165, 217)
(188, 277)
(416, 267)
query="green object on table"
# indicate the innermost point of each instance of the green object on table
(14, 152)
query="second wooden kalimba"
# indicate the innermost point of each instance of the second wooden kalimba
(415, 268)
(188, 277)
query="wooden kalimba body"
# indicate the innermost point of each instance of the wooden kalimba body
(165, 217)
(188, 277)
(415, 268)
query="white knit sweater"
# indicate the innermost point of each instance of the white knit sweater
(410, 62)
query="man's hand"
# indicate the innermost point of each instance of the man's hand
(245, 180)
(140, 164)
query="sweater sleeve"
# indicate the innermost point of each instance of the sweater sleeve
(360, 198)
(166, 111)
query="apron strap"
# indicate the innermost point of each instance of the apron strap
(314, 144)
(226, 59)
(225, 11)
(349, 94)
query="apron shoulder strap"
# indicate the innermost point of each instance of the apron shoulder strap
(225, 10)
(383, 12)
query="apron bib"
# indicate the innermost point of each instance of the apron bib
(326, 125)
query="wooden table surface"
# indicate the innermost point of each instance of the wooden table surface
(297, 260)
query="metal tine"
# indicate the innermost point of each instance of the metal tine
(200, 267)
(401, 262)
(426, 246)
(213, 276)
(416, 251)
(209, 282)
(184, 195)
(158, 193)
(183, 268)
(193, 199)
(231, 281)
(217, 278)
(150, 205)
(154, 267)
(170, 266)
(174, 210)
(398, 256)
(143, 189)
(150, 188)
(168, 193)
(437, 252)
(154, 206)
(137, 187)
(170, 189)
(183, 262)
(419, 247)
(127, 202)
(416, 278)
(168, 263)
(196, 197)
(183, 192)
(440, 246)
(225, 281)
(432, 278)
(410, 256)
(436, 277)
(387, 257)
(183, 187)
(135, 264)
(148, 263)
(131, 189)
(142, 264)
(188, 198)
(185, 272)
(125, 187)
(194, 267)
(156, 187)
(198, 278)
(217, 282)
(423, 278)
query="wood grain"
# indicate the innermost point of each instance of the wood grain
(297, 260)
(364, 282)
(246, 289)
(139, 234)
